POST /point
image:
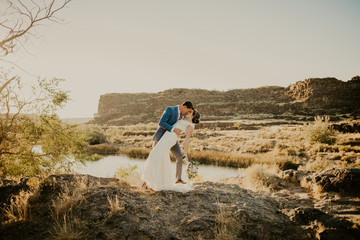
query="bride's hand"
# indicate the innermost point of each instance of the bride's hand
(177, 131)
(185, 160)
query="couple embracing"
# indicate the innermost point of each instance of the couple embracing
(174, 122)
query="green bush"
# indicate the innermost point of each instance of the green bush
(96, 137)
(94, 134)
(320, 131)
(41, 146)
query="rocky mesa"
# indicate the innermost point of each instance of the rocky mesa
(314, 96)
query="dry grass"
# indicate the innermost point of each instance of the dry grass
(225, 223)
(115, 205)
(33, 183)
(259, 177)
(18, 210)
(239, 160)
(66, 201)
(222, 159)
(67, 225)
(135, 152)
(67, 228)
(103, 149)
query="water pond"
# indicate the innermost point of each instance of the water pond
(107, 167)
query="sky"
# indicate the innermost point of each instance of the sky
(118, 46)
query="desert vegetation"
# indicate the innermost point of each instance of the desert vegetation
(312, 145)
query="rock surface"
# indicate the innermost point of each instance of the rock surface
(212, 210)
(315, 96)
(344, 181)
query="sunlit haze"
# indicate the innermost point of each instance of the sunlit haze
(152, 45)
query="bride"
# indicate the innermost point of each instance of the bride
(157, 174)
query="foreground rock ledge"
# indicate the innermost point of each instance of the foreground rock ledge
(212, 210)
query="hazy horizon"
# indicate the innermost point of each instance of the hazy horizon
(151, 46)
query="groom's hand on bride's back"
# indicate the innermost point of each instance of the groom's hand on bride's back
(177, 131)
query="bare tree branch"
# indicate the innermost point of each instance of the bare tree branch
(28, 15)
(6, 83)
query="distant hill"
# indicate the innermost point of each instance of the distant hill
(310, 97)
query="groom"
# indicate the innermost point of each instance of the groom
(169, 118)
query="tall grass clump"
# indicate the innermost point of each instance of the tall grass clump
(260, 177)
(225, 223)
(134, 152)
(102, 149)
(67, 224)
(115, 205)
(320, 131)
(18, 210)
(223, 158)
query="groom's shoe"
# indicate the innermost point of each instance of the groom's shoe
(180, 181)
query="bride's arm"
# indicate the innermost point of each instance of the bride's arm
(189, 131)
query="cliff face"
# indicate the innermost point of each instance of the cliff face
(310, 97)
(327, 95)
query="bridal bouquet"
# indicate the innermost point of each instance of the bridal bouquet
(192, 169)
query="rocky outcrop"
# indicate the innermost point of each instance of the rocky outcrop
(332, 227)
(86, 207)
(122, 109)
(309, 97)
(344, 181)
(325, 95)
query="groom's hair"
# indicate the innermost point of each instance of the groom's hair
(188, 104)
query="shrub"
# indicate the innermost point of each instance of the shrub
(320, 131)
(41, 145)
(94, 134)
(260, 177)
(129, 175)
(96, 137)
(125, 172)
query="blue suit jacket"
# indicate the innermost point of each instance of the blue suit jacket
(169, 118)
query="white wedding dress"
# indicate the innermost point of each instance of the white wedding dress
(159, 174)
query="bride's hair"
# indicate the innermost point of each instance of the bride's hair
(196, 117)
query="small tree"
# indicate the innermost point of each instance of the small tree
(27, 117)
(320, 131)
(27, 122)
